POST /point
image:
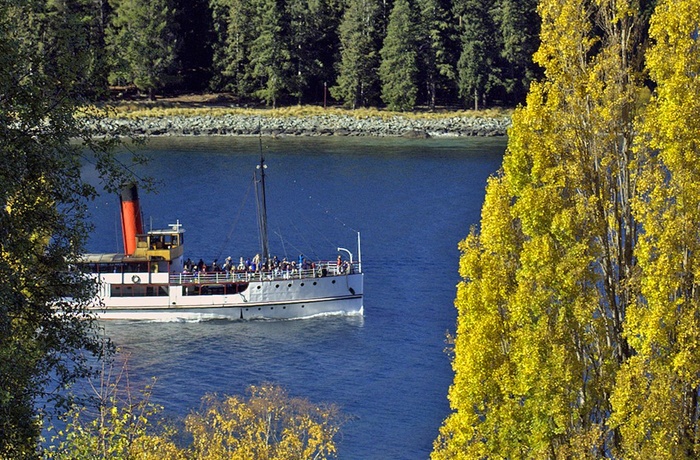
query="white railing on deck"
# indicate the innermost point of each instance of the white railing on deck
(331, 269)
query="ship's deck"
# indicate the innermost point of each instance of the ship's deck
(322, 269)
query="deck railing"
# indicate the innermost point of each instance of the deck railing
(320, 269)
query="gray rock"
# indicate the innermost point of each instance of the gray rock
(318, 125)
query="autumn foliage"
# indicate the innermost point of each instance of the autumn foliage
(579, 319)
(268, 424)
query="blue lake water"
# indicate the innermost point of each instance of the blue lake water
(412, 201)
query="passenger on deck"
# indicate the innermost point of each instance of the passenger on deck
(227, 265)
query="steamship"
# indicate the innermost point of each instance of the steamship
(149, 281)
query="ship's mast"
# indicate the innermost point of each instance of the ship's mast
(262, 208)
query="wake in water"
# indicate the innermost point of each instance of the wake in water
(167, 317)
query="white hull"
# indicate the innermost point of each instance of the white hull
(344, 307)
(278, 298)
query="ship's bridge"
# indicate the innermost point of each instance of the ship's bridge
(161, 244)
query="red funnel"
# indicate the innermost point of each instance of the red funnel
(131, 217)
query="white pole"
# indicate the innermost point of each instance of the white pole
(349, 253)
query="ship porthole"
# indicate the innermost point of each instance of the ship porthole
(136, 279)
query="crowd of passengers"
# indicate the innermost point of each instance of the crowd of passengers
(255, 265)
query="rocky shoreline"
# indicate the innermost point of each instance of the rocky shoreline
(314, 125)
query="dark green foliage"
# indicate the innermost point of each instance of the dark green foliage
(291, 50)
(270, 57)
(47, 68)
(142, 43)
(478, 69)
(62, 17)
(235, 32)
(275, 50)
(44, 70)
(398, 70)
(478, 49)
(436, 50)
(519, 29)
(357, 83)
(313, 26)
(195, 37)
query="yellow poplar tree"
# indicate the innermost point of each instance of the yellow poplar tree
(655, 401)
(550, 273)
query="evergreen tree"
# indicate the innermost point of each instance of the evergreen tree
(519, 30)
(313, 40)
(359, 58)
(89, 17)
(235, 32)
(478, 67)
(398, 70)
(141, 43)
(195, 37)
(270, 57)
(435, 44)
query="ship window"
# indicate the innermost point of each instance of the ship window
(218, 290)
(315, 283)
(215, 289)
(333, 281)
(139, 291)
(302, 284)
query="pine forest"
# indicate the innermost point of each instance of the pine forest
(402, 54)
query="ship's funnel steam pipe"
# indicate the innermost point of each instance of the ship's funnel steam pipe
(132, 223)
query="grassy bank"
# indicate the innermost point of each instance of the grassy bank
(213, 106)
